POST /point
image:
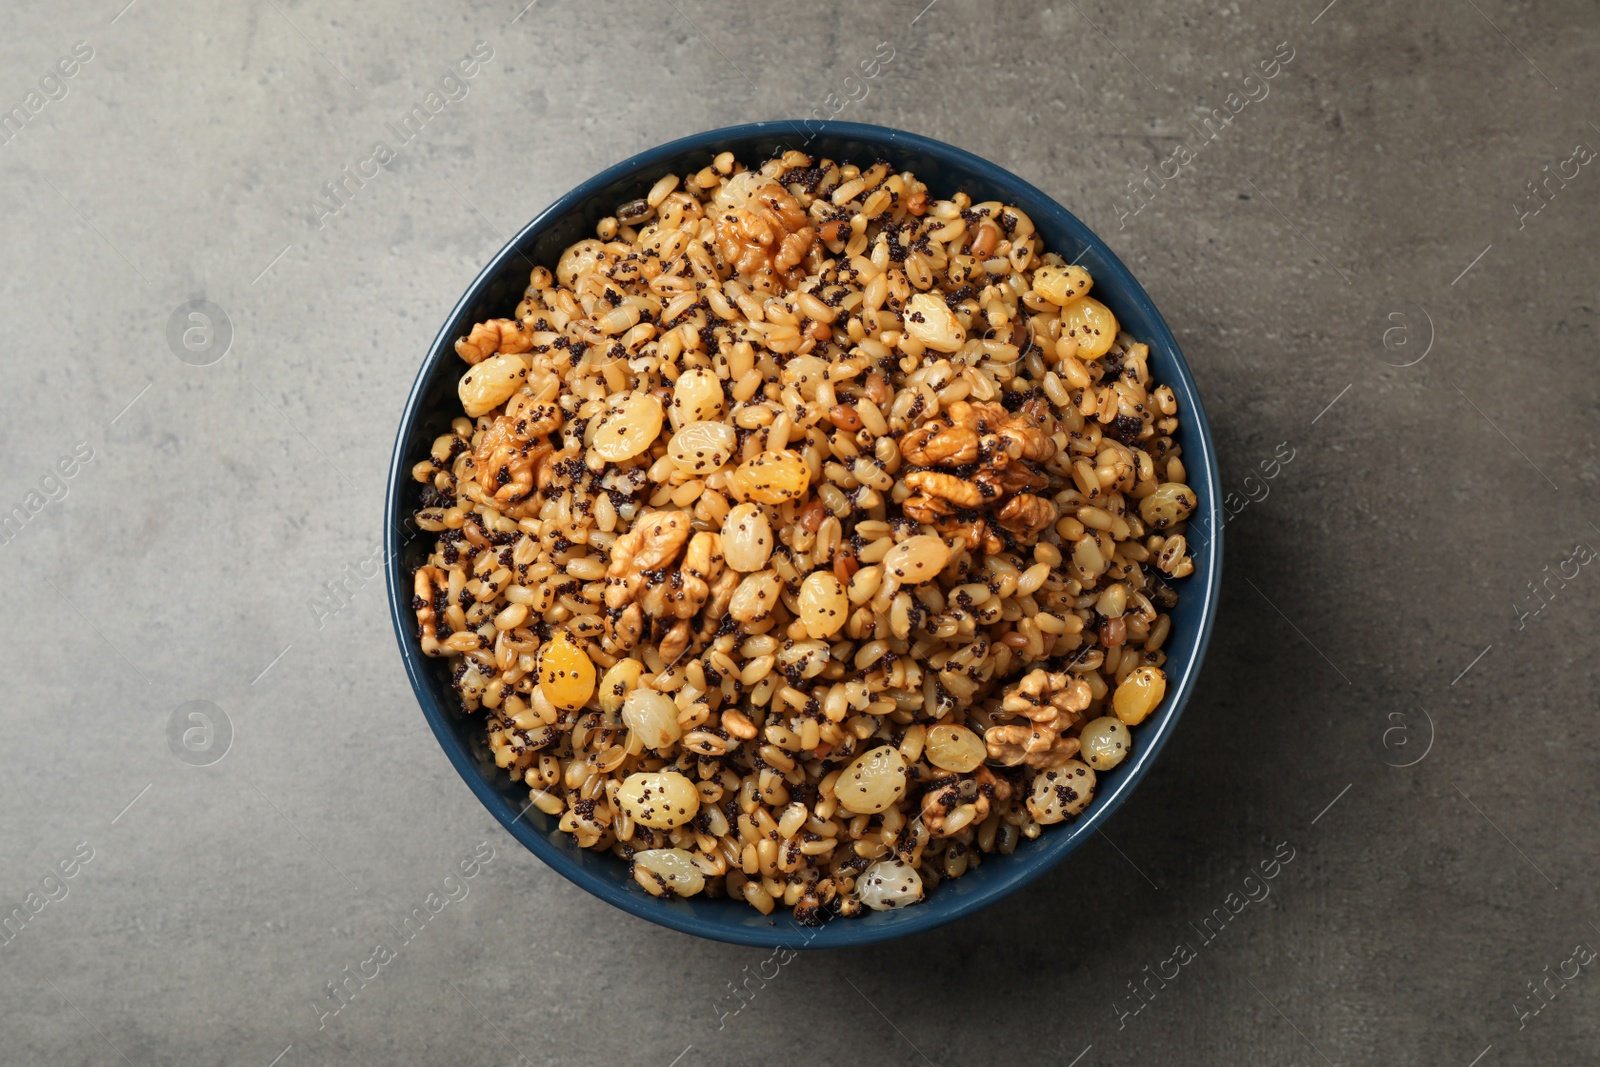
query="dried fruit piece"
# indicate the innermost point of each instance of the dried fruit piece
(578, 259)
(954, 748)
(917, 559)
(489, 384)
(696, 397)
(1091, 324)
(652, 716)
(566, 674)
(873, 781)
(619, 680)
(660, 800)
(930, 321)
(1061, 285)
(1061, 791)
(771, 477)
(1139, 694)
(700, 448)
(755, 597)
(628, 428)
(805, 373)
(823, 606)
(1171, 503)
(889, 883)
(1105, 742)
(746, 538)
(667, 872)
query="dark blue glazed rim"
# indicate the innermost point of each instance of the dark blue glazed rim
(433, 403)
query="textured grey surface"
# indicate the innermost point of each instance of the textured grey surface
(1371, 586)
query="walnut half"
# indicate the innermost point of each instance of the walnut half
(1051, 704)
(975, 465)
(512, 448)
(681, 593)
(767, 235)
(653, 542)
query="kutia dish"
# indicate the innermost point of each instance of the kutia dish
(861, 503)
(805, 537)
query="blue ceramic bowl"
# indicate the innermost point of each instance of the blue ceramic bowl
(496, 291)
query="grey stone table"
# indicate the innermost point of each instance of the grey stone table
(1379, 261)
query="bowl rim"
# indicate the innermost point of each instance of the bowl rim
(782, 931)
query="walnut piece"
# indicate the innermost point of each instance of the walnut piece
(1051, 704)
(716, 605)
(768, 235)
(495, 335)
(1042, 696)
(1027, 515)
(623, 630)
(547, 470)
(1002, 445)
(1027, 431)
(640, 574)
(1003, 478)
(1033, 440)
(926, 508)
(653, 542)
(1035, 745)
(675, 593)
(932, 445)
(681, 594)
(941, 516)
(422, 588)
(958, 491)
(675, 643)
(954, 804)
(512, 448)
(1026, 427)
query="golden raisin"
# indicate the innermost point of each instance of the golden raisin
(823, 607)
(1139, 694)
(773, 477)
(1091, 324)
(1171, 503)
(628, 428)
(566, 675)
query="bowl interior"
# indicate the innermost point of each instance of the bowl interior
(433, 403)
